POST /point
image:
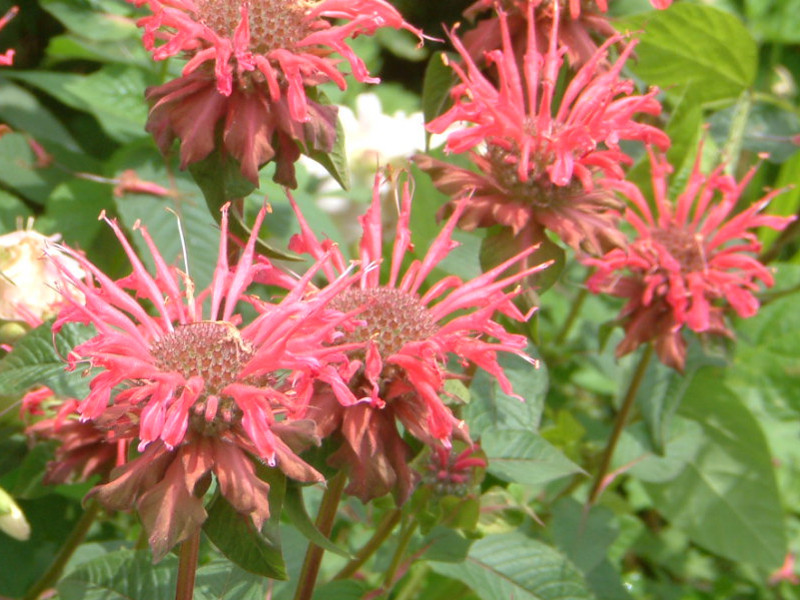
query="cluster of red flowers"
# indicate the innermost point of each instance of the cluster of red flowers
(187, 384)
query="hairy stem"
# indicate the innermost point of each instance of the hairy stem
(385, 527)
(187, 567)
(619, 424)
(325, 519)
(51, 576)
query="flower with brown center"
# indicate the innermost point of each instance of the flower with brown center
(250, 66)
(689, 259)
(179, 377)
(406, 337)
(542, 158)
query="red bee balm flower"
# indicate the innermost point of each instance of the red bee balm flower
(539, 165)
(687, 255)
(407, 336)
(250, 63)
(197, 390)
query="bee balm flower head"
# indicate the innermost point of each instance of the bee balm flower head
(407, 328)
(193, 387)
(250, 65)
(539, 160)
(690, 258)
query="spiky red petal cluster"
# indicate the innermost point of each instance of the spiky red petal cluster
(690, 257)
(541, 161)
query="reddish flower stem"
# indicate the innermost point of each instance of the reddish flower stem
(325, 519)
(619, 424)
(187, 567)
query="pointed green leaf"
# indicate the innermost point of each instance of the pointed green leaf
(521, 456)
(726, 499)
(510, 565)
(36, 361)
(296, 511)
(223, 580)
(335, 161)
(237, 538)
(697, 46)
(439, 79)
(121, 575)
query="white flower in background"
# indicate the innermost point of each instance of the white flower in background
(27, 277)
(12, 521)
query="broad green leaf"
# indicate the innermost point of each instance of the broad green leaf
(23, 111)
(439, 79)
(113, 94)
(491, 408)
(166, 218)
(296, 511)
(522, 456)
(237, 538)
(765, 356)
(726, 499)
(510, 565)
(443, 544)
(501, 245)
(121, 575)
(36, 361)
(699, 47)
(20, 171)
(73, 208)
(342, 590)
(223, 580)
(106, 21)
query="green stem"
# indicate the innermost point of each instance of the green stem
(325, 519)
(574, 311)
(385, 527)
(402, 545)
(619, 425)
(187, 567)
(416, 577)
(51, 576)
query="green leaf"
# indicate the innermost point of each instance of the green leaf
(521, 456)
(341, 590)
(73, 208)
(110, 22)
(501, 245)
(726, 499)
(696, 46)
(23, 111)
(510, 565)
(113, 94)
(237, 538)
(122, 575)
(222, 580)
(158, 214)
(36, 361)
(13, 212)
(296, 511)
(439, 79)
(490, 407)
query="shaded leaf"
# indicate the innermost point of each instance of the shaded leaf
(490, 407)
(222, 580)
(521, 456)
(296, 511)
(237, 538)
(121, 575)
(36, 361)
(726, 499)
(510, 565)
(436, 84)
